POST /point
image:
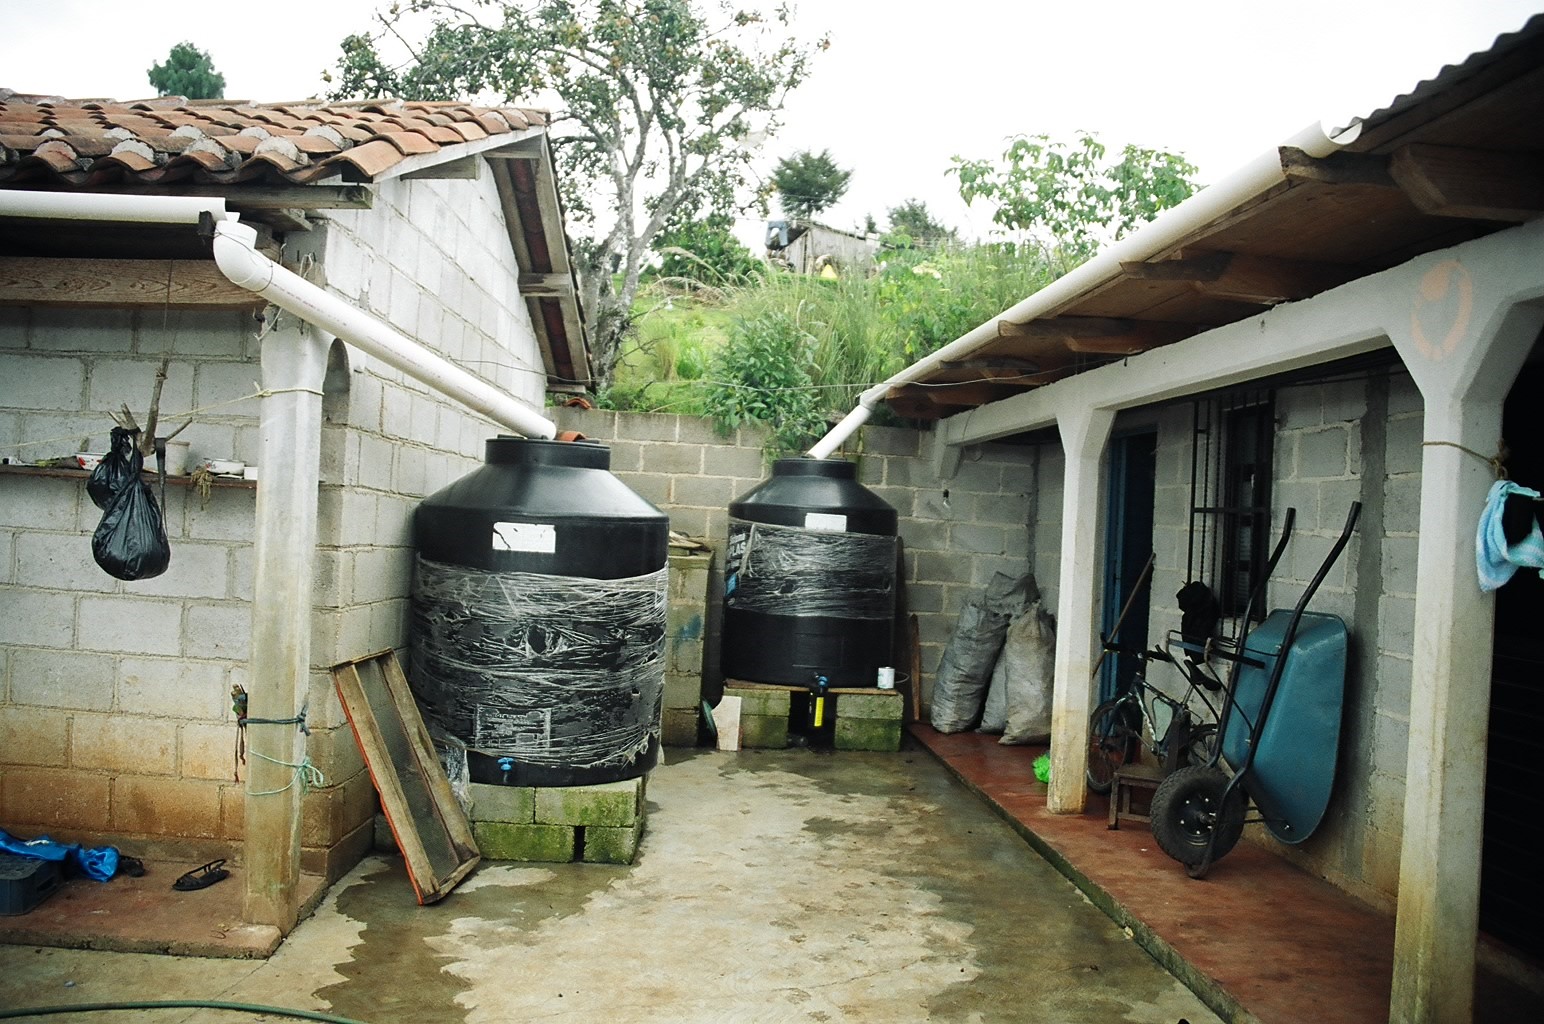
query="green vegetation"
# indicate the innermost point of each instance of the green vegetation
(187, 71)
(807, 183)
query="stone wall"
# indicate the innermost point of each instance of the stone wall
(957, 531)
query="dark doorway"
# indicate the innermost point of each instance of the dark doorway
(1511, 884)
(1128, 545)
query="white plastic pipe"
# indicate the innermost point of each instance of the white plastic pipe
(235, 253)
(99, 207)
(1172, 226)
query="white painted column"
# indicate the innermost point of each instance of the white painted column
(1085, 431)
(294, 362)
(1464, 349)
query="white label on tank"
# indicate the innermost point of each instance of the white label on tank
(825, 521)
(540, 537)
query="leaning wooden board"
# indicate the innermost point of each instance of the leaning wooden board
(431, 830)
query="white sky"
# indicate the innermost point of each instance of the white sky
(905, 84)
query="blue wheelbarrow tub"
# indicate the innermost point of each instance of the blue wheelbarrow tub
(1294, 766)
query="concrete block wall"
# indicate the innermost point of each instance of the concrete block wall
(115, 718)
(957, 531)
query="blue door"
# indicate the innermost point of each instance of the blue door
(1128, 542)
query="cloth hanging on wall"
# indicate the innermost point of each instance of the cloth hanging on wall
(1497, 555)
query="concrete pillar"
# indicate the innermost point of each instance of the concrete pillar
(1085, 431)
(294, 363)
(1463, 343)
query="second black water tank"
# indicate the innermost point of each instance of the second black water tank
(809, 578)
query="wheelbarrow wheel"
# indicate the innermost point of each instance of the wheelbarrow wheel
(1187, 811)
(1112, 741)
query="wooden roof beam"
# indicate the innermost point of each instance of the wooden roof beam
(1098, 335)
(1336, 169)
(1262, 280)
(1450, 181)
(119, 284)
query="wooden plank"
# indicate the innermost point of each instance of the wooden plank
(1336, 169)
(430, 828)
(1449, 181)
(1123, 336)
(554, 286)
(120, 284)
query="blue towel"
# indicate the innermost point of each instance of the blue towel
(1494, 557)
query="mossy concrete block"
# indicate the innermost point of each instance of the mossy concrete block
(679, 727)
(683, 690)
(503, 840)
(617, 804)
(503, 803)
(606, 845)
(867, 734)
(886, 706)
(758, 701)
(763, 732)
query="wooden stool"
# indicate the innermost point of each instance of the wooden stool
(1131, 780)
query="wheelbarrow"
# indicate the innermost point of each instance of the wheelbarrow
(1279, 730)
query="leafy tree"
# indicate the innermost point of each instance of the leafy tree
(706, 252)
(912, 223)
(188, 71)
(659, 107)
(1068, 197)
(807, 183)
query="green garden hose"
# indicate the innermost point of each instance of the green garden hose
(175, 1004)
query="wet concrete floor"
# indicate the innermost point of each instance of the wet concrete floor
(771, 886)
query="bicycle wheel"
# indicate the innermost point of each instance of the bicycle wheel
(1194, 747)
(1112, 742)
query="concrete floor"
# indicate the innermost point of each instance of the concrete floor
(771, 886)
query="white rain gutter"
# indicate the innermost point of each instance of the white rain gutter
(235, 253)
(1172, 226)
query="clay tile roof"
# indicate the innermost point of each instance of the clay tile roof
(79, 143)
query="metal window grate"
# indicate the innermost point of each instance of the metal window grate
(1230, 494)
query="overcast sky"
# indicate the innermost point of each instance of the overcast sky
(905, 84)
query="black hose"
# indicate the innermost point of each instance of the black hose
(175, 1004)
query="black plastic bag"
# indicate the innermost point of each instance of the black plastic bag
(130, 542)
(113, 472)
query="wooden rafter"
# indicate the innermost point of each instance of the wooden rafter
(121, 284)
(1262, 280)
(1097, 334)
(1337, 168)
(1449, 181)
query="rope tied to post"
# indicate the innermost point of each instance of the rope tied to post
(1496, 462)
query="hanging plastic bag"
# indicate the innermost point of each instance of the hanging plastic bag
(130, 542)
(113, 472)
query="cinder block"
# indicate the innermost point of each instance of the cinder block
(883, 705)
(501, 840)
(123, 743)
(516, 804)
(647, 426)
(55, 799)
(32, 736)
(44, 382)
(866, 733)
(196, 570)
(683, 690)
(763, 732)
(177, 807)
(757, 701)
(219, 630)
(39, 620)
(679, 460)
(703, 491)
(207, 751)
(607, 845)
(608, 803)
(679, 727)
(61, 679)
(57, 562)
(132, 625)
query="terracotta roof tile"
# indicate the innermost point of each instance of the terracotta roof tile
(84, 142)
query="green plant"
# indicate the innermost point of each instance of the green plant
(705, 252)
(762, 375)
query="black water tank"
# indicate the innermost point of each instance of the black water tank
(809, 578)
(538, 616)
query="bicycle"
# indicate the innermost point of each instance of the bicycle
(1118, 726)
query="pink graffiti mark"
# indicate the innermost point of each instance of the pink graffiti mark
(1446, 293)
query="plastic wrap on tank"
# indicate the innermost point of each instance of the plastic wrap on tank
(555, 671)
(786, 570)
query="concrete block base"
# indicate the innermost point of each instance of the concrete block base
(601, 824)
(866, 719)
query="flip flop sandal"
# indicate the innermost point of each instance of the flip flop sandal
(202, 877)
(131, 866)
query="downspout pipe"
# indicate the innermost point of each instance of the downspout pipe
(1169, 228)
(97, 206)
(235, 253)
